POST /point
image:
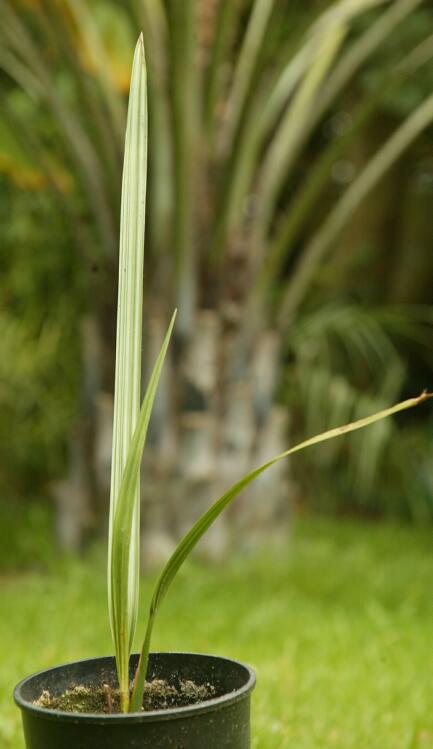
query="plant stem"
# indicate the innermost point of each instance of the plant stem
(141, 672)
(124, 702)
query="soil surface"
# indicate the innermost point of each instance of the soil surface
(158, 695)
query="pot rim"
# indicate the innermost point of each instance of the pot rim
(152, 715)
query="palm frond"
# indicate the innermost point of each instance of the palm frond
(375, 169)
(33, 64)
(91, 35)
(247, 61)
(186, 108)
(271, 109)
(293, 130)
(294, 218)
(153, 19)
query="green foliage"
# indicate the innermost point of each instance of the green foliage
(343, 616)
(265, 93)
(408, 36)
(233, 96)
(38, 349)
(130, 428)
(347, 363)
(25, 536)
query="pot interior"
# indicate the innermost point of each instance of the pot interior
(225, 675)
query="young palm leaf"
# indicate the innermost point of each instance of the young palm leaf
(123, 582)
(199, 528)
(125, 528)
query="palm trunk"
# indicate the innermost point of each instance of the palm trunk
(214, 420)
(76, 496)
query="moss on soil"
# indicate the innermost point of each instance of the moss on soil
(158, 695)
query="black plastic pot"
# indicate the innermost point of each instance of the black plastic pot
(222, 722)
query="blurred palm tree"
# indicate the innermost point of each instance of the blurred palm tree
(238, 221)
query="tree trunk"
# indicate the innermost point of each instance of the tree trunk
(212, 424)
(76, 497)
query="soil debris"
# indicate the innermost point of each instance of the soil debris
(159, 694)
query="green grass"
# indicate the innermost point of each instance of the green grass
(339, 628)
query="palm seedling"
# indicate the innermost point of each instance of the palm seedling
(131, 420)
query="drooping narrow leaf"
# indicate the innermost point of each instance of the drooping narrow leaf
(33, 73)
(294, 126)
(186, 131)
(245, 67)
(153, 17)
(91, 35)
(128, 359)
(362, 50)
(199, 528)
(267, 110)
(297, 65)
(225, 24)
(282, 243)
(57, 26)
(369, 177)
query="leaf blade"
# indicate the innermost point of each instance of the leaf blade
(200, 527)
(128, 350)
(123, 523)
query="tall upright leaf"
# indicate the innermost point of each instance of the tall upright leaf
(125, 527)
(128, 357)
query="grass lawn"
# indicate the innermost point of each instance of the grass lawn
(339, 628)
